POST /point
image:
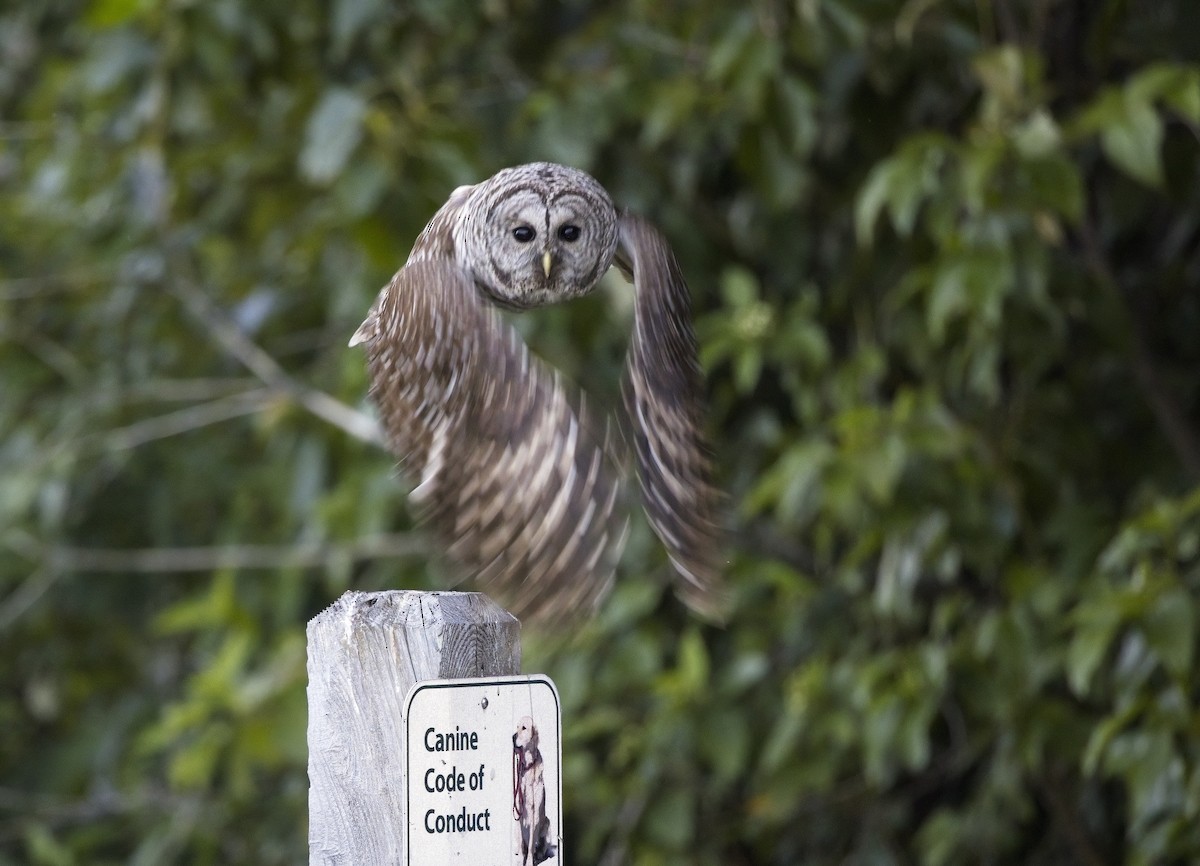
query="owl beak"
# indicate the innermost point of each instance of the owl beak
(547, 261)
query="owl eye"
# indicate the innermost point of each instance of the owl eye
(569, 233)
(524, 234)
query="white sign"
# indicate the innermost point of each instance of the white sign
(484, 779)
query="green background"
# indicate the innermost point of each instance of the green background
(945, 256)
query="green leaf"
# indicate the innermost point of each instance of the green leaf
(739, 286)
(915, 178)
(1170, 628)
(333, 131)
(212, 609)
(902, 183)
(44, 849)
(113, 13)
(670, 817)
(1183, 95)
(797, 106)
(194, 766)
(1134, 141)
(1056, 184)
(781, 740)
(1103, 733)
(349, 17)
(747, 368)
(1001, 72)
(1175, 84)
(671, 105)
(1104, 110)
(1038, 136)
(733, 43)
(939, 837)
(1096, 627)
(871, 200)
(970, 286)
(1146, 760)
(793, 483)
(726, 737)
(692, 670)
(978, 168)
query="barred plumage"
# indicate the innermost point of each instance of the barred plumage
(519, 483)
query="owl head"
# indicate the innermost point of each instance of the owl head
(536, 234)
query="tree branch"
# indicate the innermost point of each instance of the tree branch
(242, 556)
(617, 850)
(184, 420)
(1163, 405)
(103, 801)
(227, 335)
(26, 596)
(23, 288)
(187, 390)
(1065, 817)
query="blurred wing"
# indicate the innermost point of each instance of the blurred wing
(664, 397)
(510, 476)
(436, 241)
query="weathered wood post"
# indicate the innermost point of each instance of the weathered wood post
(365, 652)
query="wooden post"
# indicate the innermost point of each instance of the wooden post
(365, 652)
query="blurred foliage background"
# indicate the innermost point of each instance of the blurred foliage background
(945, 256)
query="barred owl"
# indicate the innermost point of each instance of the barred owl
(517, 477)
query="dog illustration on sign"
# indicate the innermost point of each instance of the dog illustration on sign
(531, 834)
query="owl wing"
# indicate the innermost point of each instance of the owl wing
(436, 241)
(516, 482)
(664, 399)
